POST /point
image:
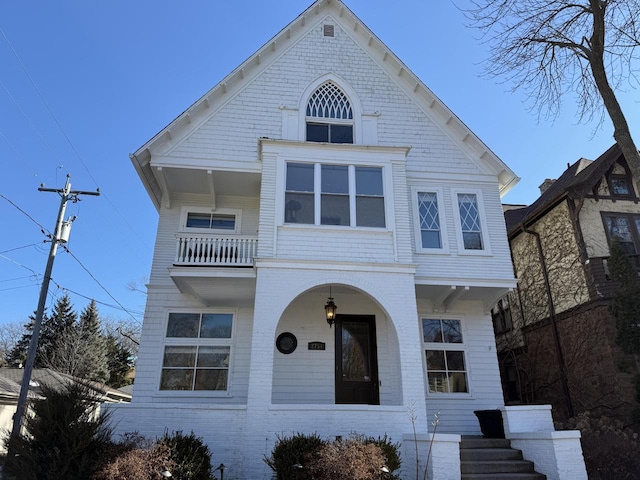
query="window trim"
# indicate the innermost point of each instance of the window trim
(486, 250)
(464, 347)
(186, 210)
(502, 316)
(444, 237)
(631, 218)
(317, 193)
(356, 108)
(188, 342)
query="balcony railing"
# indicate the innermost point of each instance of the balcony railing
(206, 250)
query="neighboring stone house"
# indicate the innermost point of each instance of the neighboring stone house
(320, 173)
(556, 336)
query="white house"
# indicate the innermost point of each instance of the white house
(321, 167)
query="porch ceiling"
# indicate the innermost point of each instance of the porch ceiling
(208, 182)
(443, 297)
(226, 286)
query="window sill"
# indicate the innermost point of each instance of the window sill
(475, 253)
(335, 228)
(450, 396)
(433, 251)
(192, 394)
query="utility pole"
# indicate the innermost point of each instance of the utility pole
(60, 235)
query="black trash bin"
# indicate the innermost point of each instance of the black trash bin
(490, 423)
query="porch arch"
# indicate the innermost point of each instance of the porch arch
(306, 375)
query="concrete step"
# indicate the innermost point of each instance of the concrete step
(479, 454)
(480, 442)
(497, 466)
(503, 476)
(493, 459)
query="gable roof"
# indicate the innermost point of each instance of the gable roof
(575, 182)
(233, 83)
(10, 378)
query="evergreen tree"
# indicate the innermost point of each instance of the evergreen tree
(18, 354)
(626, 304)
(54, 331)
(93, 347)
(120, 362)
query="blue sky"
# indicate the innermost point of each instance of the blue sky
(83, 84)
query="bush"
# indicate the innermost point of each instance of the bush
(350, 459)
(64, 437)
(610, 451)
(390, 451)
(190, 456)
(290, 453)
(305, 457)
(135, 457)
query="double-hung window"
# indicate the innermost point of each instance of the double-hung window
(327, 194)
(445, 355)
(469, 215)
(197, 352)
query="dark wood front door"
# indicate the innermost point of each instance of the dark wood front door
(356, 360)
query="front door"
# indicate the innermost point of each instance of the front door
(356, 360)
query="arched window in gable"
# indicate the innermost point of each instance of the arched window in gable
(329, 115)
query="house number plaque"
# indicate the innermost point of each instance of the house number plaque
(317, 346)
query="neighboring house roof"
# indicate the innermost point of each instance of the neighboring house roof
(242, 76)
(575, 182)
(11, 378)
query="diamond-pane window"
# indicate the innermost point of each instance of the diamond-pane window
(429, 220)
(470, 221)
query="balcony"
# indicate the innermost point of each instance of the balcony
(215, 251)
(232, 283)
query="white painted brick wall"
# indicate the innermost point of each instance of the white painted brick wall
(558, 455)
(527, 418)
(438, 453)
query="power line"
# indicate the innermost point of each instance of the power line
(25, 213)
(98, 282)
(20, 248)
(55, 119)
(35, 174)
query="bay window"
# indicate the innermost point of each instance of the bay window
(328, 194)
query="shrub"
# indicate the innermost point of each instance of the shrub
(390, 451)
(610, 451)
(290, 454)
(190, 455)
(64, 436)
(135, 457)
(352, 459)
(305, 457)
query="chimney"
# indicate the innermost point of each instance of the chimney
(546, 184)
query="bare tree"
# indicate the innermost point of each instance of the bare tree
(551, 47)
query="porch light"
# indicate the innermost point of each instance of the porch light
(222, 468)
(330, 309)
